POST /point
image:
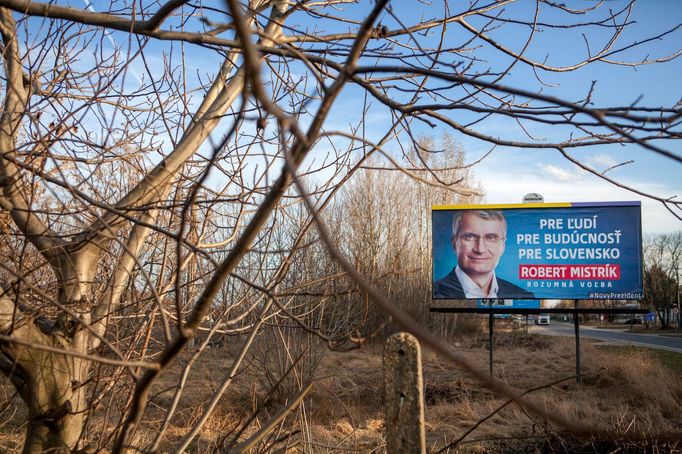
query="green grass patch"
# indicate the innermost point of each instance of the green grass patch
(637, 329)
(669, 360)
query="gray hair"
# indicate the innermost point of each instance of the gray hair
(490, 215)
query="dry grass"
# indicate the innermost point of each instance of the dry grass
(12, 418)
(627, 392)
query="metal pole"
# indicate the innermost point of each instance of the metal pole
(678, 302)
(576, 322)
(490, 342)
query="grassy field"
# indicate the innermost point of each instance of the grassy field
(632, 393)
(669, 360)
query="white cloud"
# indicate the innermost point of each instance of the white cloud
(602, 162)
(509, 174)
(559, 173)
(510, 188)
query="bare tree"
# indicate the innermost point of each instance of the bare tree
(147, 153)
(382, 222)
(662, 260)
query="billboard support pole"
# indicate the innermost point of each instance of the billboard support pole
(677, 329)
(576, 323)
(491, 325)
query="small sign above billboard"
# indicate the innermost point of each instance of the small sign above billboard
(533, 197)
(538, 251)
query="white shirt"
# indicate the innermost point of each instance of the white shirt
(472, 290)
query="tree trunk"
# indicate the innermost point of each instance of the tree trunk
(56, 398)
(663, 318)
(49, 436)
(52, 385)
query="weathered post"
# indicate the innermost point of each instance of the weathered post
(404, 396)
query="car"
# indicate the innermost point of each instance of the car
(542, 319)
(634, 321)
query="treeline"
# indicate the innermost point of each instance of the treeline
(380, 221)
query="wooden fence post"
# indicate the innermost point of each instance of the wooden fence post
(404, 395)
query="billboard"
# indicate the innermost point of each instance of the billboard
(538, 251)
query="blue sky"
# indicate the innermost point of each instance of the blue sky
(507, 174)
(549, 174)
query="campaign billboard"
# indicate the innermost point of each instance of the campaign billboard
(538, 251)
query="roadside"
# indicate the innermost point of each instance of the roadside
(622, 336)
(635, 329)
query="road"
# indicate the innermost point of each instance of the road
(611, 335)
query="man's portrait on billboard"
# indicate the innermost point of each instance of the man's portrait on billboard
(478, 240)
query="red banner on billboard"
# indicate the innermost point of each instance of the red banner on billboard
(570, 272)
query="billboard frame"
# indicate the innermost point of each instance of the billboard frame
(635, 294)
(575, 311)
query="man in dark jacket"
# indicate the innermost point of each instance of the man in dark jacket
(478, 239)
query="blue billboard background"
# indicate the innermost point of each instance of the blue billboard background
(592, 235)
